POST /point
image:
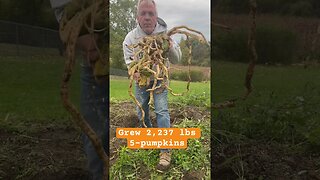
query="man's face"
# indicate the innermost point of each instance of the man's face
(147, 17)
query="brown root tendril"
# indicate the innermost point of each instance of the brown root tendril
(73, 23)
(152, 65)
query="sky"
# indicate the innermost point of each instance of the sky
(192, 13)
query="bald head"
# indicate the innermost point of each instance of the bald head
(147, 2)
(147, 15)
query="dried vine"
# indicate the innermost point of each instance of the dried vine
(153, 63)
(252, 63)
(72, 23)
(222, 26)
(253, 51)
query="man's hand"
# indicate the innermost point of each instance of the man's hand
(136, 76)
(170, 43)
(87, 44)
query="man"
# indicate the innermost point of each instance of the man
(150, 24)
(94, 94)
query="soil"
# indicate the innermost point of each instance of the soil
(48, 152)
(55, 152)
(124, 115)
(260, 160)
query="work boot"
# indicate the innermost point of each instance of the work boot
(164, 162)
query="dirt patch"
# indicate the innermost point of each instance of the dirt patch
(55, 152)
(253, 160)
(124, 115)
(50, 152)
(194, 175)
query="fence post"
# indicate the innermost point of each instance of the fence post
(44, 40)
(17, 40)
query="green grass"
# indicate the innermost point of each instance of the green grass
(119, 90)
(284, 105)
(30, 89)
(284, 81)
(141, 164)
(24, 50)
(285, 98)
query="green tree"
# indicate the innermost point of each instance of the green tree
(285, 7)
(184, 51)
(200, 52)
(122, 16)
(116, 53)
(122, 21)
(33, 12)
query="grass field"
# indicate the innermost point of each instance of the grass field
(30, 89)
(283, 81)
(283, 110)
(24, 50)
(30, 86)
(280, 120)
(283, 107)
(119, 90)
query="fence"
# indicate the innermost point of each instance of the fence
(25, 40)
(118, 72)
(21, 39)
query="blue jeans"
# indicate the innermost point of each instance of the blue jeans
(160, 105)
(94, 107)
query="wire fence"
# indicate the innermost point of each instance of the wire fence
(118, 72)
(20, 40)
(25, 40)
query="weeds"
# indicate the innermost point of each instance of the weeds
(199, 100)
(293, 120)
(141, 164)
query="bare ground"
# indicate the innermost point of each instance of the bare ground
(48, 152)
(124, 115)
(55, 152)
(259, 160)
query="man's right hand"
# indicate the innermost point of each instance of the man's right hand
(136, 76)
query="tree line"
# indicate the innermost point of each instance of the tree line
(122, 21)
(303, 8)
(32, 12)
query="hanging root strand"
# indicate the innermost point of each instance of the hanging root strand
(153, 64)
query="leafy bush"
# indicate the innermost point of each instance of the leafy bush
(298, 8)
(231, 46)
(182, 76)
(285, 7)
(196, 76)
(274, 45)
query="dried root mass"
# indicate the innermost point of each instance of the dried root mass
(151, 61)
